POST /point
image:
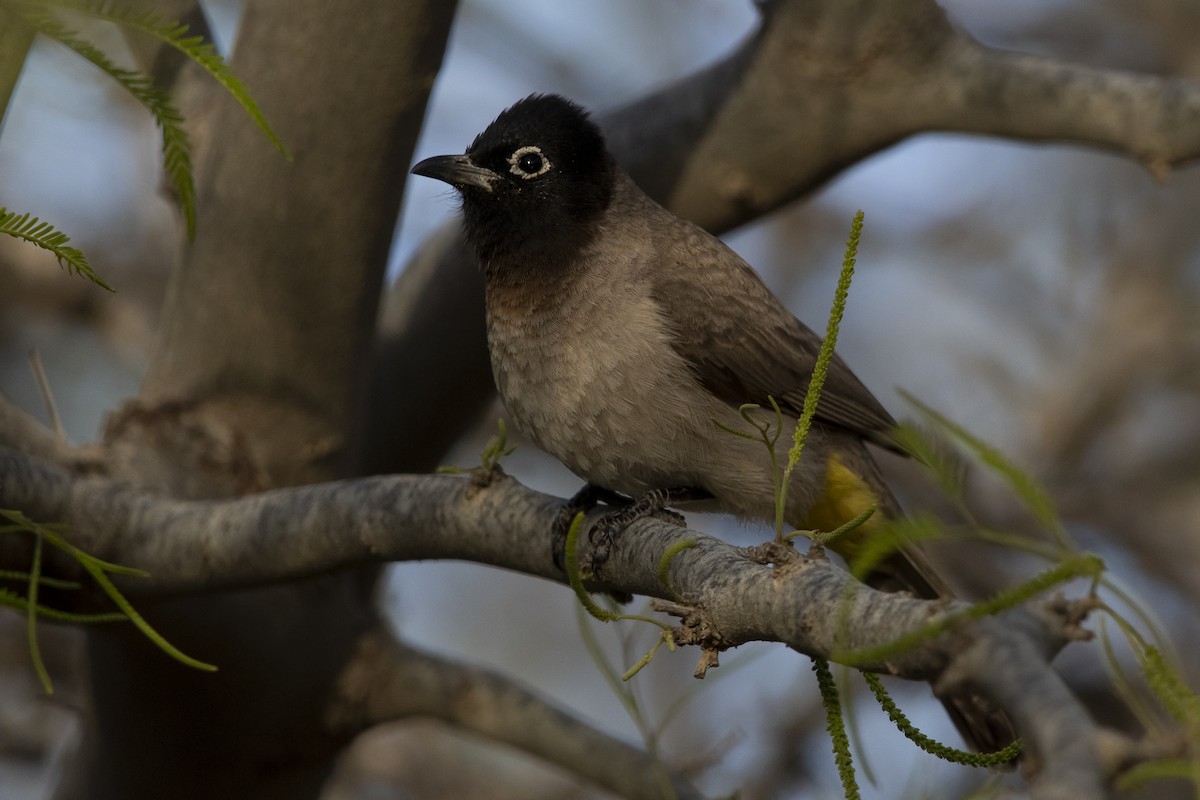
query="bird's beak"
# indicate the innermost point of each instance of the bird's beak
(458, 171)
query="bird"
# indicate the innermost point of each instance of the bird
(626, 341)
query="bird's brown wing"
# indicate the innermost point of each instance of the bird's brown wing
(745, 346)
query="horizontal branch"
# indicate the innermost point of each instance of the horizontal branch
(1151, 118)
(21, 431)
(731, 598)
(387, 680)
(190, 546)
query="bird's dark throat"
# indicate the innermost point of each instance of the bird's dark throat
(512, 251)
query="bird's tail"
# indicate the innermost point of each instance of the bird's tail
(849, 491)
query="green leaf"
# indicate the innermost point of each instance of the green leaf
(11, 599)
(45, 236)
(174, 34)
(575, 575)
(35, 652)
(836, 727)
(945, 464)
(1173, 693)
(932, 746)
(1084, 566)
(177, 160)
(664, 563)
(821, 368)
(98, 570)
(1026, 488)
(140, 622)
(53, 583)
(497, 447)
(1147, 771)
(825, 537)
(893, 536)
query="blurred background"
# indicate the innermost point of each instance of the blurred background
(1047, 297)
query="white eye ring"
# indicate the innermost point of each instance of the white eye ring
(514, 162)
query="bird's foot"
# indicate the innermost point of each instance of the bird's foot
(652, 504)
(583, 501)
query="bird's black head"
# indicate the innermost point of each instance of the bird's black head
(534, 183)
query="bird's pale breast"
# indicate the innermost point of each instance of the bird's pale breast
(583, 374)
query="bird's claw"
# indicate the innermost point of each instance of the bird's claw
(583, 501)
(605, 532)
(652, 504)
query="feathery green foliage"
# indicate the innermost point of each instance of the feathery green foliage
(931, 746)
(627, 695)
(893, 536)
(177, 160)
(664, 563)
(1085, 566)
(1179, 700)
(1174, 694)
(576, 578)
(575, 575)
(20, 18)
(44, 235)
(825, 537)
(99, 571)
(1159, 673)
(821, 369)
(829, 695)
(1023, 486)
(174, 34)
(35, 652)
(497, 447)
(836, 727)
(946, 466)
(768, 435)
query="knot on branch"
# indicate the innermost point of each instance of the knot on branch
(483, 477)
(1071, 614)
(781, 554)
(695, 628)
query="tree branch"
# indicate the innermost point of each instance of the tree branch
(731, 598)
(157, 57)
(21, 431)
(387, 680)
(1153, 119)
(272, 536)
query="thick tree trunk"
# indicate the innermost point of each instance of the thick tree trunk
(257, 382)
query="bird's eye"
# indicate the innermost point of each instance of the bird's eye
(528, 162)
